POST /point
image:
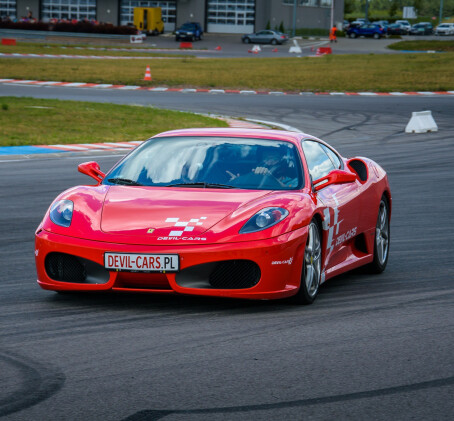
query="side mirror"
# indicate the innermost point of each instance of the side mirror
(92, 169)
(334, 177)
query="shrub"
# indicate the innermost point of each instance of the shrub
(80, 27)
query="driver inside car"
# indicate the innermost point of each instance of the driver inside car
(275, 165)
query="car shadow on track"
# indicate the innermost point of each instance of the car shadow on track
(343, 287)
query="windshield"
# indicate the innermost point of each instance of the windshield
(211, 162)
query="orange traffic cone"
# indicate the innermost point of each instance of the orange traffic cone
(218, 48)
(147, 74)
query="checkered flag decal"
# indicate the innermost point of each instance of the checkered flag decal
(187, 226)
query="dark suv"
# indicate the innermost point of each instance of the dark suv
(367, 30)
(189, 31)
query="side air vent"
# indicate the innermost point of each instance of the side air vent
(359, 167)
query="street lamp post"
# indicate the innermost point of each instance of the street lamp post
(332, 14)
(294, 18)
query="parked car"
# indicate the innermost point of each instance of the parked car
(405, 24)
(397, 29)
(265, 37)
(445, 29)
(422, 28)
(351, 25)
(367, 30)
(383, 23)
(189, 31)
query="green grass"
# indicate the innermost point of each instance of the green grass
(380, 73)
(70, 49)
(28, 121)
(437, 45)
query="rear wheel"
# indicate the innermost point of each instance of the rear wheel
(310, 276)
(382, 238)
(352, 35)
(376, 36)
(273, 42)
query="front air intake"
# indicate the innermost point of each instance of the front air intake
(73, 269)
(235, 274)
(65, 268)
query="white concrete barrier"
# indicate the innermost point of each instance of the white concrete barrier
(295, 48)
(421, 122)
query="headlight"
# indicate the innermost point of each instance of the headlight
(61, 213)
(264, 219)
(190, 33)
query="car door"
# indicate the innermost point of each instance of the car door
(260, 36)
(342, 203)
(268, 37)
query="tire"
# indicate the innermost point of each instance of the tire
(312, 264)
(177, 39)
(382, 238)
(273, 42)
(247, 40)
(352, 35)
(376, 36)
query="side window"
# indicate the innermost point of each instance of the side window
(318, 162)
(333, 156)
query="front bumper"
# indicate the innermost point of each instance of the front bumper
(280, 260)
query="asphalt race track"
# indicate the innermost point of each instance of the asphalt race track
(371, 347)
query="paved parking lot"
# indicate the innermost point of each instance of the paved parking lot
(231, 45)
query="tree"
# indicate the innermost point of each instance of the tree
(349, 6)
(394, 5)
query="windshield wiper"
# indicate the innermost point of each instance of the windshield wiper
(124, 181)
(203, 185)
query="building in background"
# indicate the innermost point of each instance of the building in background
(216, 16)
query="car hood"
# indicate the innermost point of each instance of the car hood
(161, 214)
(170, 216)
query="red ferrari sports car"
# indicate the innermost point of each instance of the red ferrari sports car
(256, 214)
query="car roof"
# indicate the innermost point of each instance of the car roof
(293, 137)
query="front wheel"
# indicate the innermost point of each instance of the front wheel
(352, 35)
(312, 265)
(382, 238)
(246, 40)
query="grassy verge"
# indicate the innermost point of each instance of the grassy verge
(381, 73)
(423, 45)
(86, 122)
(70, 49)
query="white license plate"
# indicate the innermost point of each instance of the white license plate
(142, 262)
